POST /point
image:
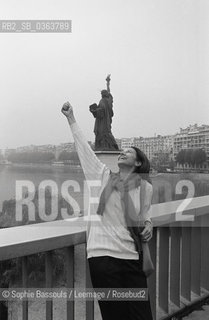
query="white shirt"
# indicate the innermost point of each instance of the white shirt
(108, 236)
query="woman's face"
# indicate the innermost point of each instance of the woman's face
(128, 158)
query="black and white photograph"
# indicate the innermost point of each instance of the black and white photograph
(104, 160)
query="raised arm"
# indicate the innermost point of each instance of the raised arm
(108, 83)
(93, 168)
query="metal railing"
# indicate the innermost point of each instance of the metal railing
(179, 249)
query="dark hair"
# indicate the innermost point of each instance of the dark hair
(144, 169)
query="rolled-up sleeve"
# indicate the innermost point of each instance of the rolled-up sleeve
(92, 167)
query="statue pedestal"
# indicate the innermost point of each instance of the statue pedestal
(110, 158)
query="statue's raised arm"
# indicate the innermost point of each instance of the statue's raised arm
(108, 83)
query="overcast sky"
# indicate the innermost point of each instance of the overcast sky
(157, 52)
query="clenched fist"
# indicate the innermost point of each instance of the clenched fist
(67, 110)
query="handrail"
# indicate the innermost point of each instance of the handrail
(164, 213)
(30, 239)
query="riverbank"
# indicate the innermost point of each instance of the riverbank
(41, 164)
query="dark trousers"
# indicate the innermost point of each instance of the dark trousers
(109, 272)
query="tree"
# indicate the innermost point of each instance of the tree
(172, 164)
(180, 158)
(200, 156)
(188, 156)
(191, 156)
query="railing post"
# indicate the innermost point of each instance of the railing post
(89, 304)
(175, 265)
(152, 278)
(25, 285)
(205, 252)
(164, 268)
(196, 256)
(186, 262)
(49, 270)
(69, 256)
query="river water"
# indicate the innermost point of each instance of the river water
(9, 175)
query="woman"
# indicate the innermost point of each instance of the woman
(114, 255)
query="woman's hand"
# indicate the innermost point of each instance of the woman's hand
(67, 110)
(146, 234)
